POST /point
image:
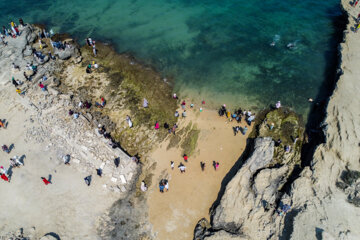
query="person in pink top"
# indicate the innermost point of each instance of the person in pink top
(157, 126)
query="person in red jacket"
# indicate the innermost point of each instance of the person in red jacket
(45, 181)
(4, 177)
(185, 158)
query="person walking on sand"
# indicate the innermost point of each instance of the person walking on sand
(46, 182)
(66, 159)
(185, 157)
(166, 182)
(4, 177)
(176, 114)
(172, 165)
(183, 104)
(202, 165)
(157, 126)
(3, 170)
(88, 180)
(5, 148)
(161, 186)
(184, 114)
(217, 166)
(182, 168)
(2, 124)
(244, 130)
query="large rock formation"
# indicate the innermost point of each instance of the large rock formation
(325, 198)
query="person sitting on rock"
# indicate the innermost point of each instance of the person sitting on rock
(143, 186)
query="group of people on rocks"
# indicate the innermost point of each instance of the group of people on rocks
(12, 32)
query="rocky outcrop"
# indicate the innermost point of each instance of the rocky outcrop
(327, 195)
(323, 202)
(248, 205)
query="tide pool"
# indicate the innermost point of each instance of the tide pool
(219, 51)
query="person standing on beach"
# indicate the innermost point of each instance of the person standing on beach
(5, 148)
(244, 130)
(174, 128)
(4, 177)
(166, 185)
(217, 165)
(182, 168)
(46, 182)
(184, 114)
(183, 104)
(172, 165)
(157, 126)
(2, 124)
(94, 50)
(88, 180)
(66, 159)
(185, 157)
(202, 165)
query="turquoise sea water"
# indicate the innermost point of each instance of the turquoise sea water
(216, 50)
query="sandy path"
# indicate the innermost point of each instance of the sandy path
(67, 207)
(175, 213)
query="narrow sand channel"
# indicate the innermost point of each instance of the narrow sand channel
(175, 213)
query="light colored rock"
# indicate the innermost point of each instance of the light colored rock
(122, 178)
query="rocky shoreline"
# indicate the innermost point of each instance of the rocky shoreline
(324, 200)
(259, 199)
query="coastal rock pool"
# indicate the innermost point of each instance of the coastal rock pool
(242, 53)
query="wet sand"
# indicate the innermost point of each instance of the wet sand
(175, 213)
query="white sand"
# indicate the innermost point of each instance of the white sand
(68, 206)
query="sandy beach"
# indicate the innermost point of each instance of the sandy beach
(27, 202)
(175, 213)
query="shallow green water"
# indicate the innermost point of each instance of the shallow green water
(215, 50)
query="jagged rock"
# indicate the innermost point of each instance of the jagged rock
(66, 53)
(78, 59)
(27, 51)
(242, 205)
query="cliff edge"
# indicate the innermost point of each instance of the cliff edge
(324, 201)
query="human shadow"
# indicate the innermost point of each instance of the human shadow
(54, 235)
(22, 159)
(11, 147)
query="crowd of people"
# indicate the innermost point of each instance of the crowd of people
(29, 71)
